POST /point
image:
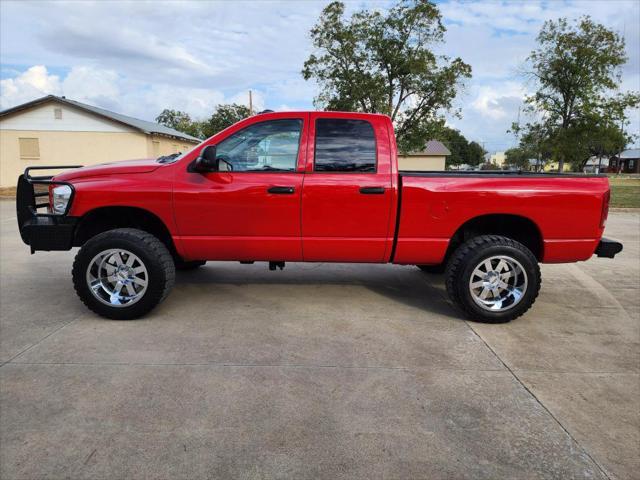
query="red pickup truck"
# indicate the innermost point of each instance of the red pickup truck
(310, 187)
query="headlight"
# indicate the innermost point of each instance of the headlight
(60, 198)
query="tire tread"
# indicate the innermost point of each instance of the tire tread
(154, 247)
(457, 263)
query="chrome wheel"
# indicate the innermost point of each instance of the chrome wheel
(498, 283)
(117, 277)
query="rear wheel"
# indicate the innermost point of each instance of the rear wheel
(493, 279)
(123, 273)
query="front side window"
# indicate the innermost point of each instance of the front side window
(265, 146)
(344, 146)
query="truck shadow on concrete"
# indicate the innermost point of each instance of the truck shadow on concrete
(403, 284)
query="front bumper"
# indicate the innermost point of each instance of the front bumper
(48, 233)
(608, 248)
(41, 231)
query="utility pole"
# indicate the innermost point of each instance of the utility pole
(250, 103)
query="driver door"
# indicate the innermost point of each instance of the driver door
(250, 208)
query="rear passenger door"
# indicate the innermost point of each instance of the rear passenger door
(347, 195)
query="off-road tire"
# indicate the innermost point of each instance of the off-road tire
(182, 266)
(469, 255)
(153, 253)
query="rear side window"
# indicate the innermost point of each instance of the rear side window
(344, 146)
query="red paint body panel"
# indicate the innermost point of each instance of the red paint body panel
(338, 222)
(127, 166)
(221, 213)
(563, 208)
(231, 216)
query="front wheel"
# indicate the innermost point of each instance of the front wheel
(493, 279)
(123, 273)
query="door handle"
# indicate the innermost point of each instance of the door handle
(372, 190)
(281, 190)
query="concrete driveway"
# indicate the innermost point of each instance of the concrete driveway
(320, 371)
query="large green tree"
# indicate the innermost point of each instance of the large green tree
(576, 70)
(223, 117)
(383, 62)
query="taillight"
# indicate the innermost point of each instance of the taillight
(605, 208)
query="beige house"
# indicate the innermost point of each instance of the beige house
(431, 158)
(58, 131)
(498, 158)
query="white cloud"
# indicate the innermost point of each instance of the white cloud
(492, 102)
(106, 89)
(33, 83)
(91, 85)
(137, 58)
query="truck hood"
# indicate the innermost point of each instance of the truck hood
(113, 168)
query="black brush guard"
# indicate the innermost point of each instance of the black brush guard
(43, 231)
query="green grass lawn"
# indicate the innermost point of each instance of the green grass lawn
(625, 192)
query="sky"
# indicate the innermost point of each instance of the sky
(140, 57)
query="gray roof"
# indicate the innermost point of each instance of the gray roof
(142, 125)
(633, 153)
(433, 147)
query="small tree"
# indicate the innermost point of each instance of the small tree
(223, 117)
(518, 157)
(603, 141)
(535, 140)
(457, 145)
(576, 69)
(476, 154)
(384, 63)
(180, 121)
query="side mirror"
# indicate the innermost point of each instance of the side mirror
(207, 161)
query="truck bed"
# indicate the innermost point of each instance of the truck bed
(565, 209)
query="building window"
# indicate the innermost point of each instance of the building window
(29, 148)
(344, 146)
(57, 113)
(632, 163)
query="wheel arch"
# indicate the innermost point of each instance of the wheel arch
(517, 227)
(107, 218)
